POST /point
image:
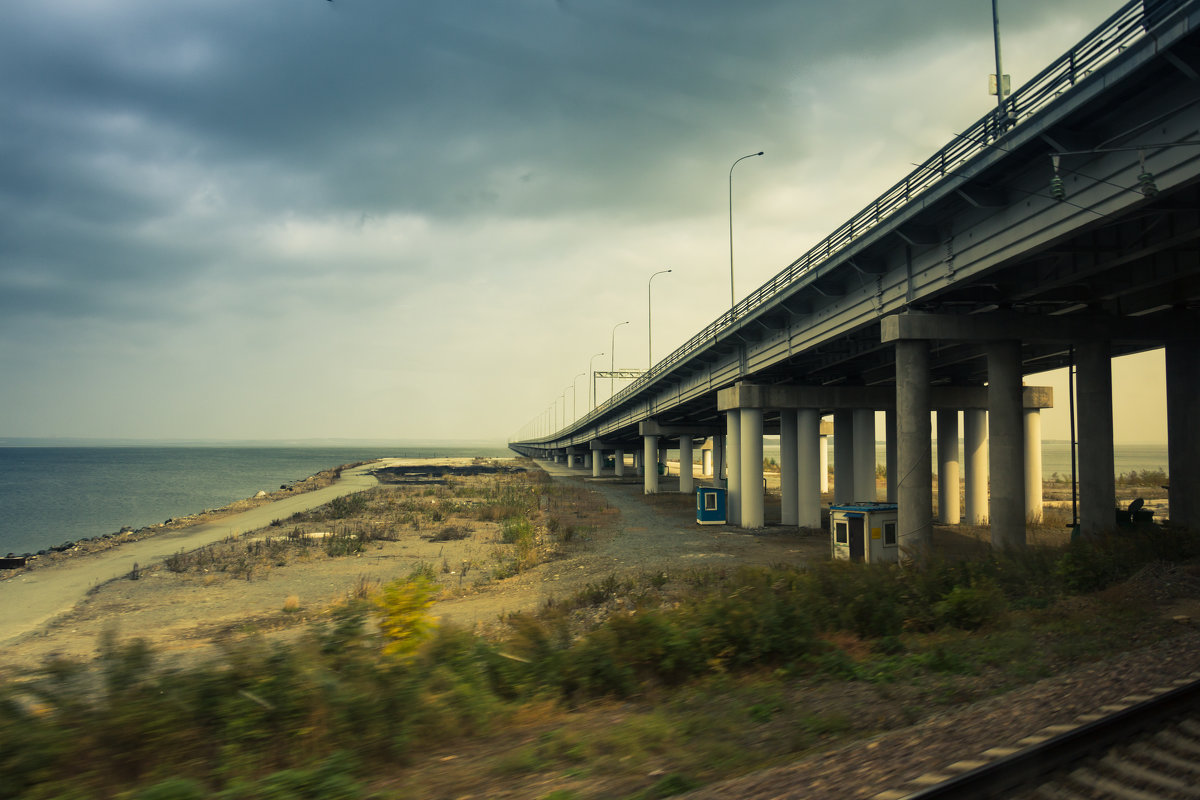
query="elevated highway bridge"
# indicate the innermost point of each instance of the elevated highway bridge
(1059, 230)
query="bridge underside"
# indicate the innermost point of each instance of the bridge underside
(1072, 237)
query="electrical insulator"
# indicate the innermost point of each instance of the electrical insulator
(1056, 189)
(1147, 185)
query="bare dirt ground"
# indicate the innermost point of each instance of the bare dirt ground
(183, 613)
(186, 612)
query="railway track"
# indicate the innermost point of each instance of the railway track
(1145, 747)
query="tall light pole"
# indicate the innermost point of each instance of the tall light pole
(649, 320)
(612, 357)
(593, 374)
(732, 296)
(999, 71)
(575, 394)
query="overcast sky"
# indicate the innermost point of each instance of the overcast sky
(383, 219)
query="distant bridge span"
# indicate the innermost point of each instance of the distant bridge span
(1060, 230)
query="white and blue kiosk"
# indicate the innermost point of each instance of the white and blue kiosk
(864, 532)
(710, 505)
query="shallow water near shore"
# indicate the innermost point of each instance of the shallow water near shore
(49, 495)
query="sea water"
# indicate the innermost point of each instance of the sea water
(49, 495)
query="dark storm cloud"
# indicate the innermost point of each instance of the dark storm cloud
(157, 158)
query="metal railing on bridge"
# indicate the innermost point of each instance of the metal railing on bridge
(1126, 26)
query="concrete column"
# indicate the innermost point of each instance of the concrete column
(843, 455)
(1183, 434)
(733, 457)
(1093, 393)
(1033, 465)
(789, 476)
(889, 432)
(1006, 448)
(597, 462)
(809, 443)
(914, 487)
(752, 467)
(587, 460)
(824, 455)
(864, 455)
(706, 462)
(650, 464)
(639, 463)
(947, 450)
(687, 480)
(570, 461)
(975, 465)
(718, 465)
(619, 463)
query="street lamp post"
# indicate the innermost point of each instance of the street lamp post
(999, 69)
(732, 296)
(649, 321)
(575, 394)
(612, 357)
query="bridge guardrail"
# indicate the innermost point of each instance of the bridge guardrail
(1127, 25)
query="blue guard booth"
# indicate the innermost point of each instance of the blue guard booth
(864, 532)
(710, 506)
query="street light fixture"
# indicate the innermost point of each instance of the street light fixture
(732, 296)
(593, 375)
(649, 320)
(612, 356)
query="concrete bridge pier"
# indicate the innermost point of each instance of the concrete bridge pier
(687, 474)
(864, 455)
(751, 421)
(597, 463)
(1183, 433)
(706, 458)
(947, 450)
(975, 465)
(890, 452)
(718, 461)
(1097, 485)
(914, 488)
(825, 461)
(650, 464)
(1033, 465)
(811, 459)
(619, 462)
(733, 454)
(789, 468)
(639, 466)
(843, 455)
(1006, 451)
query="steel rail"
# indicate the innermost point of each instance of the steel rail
(1028, 765)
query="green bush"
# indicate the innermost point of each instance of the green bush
(972, 607)
(346, 506)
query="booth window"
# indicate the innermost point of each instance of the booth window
(710, 501)
(841, 533)
(889, 534)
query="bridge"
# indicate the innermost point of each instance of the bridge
(1059, 230)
